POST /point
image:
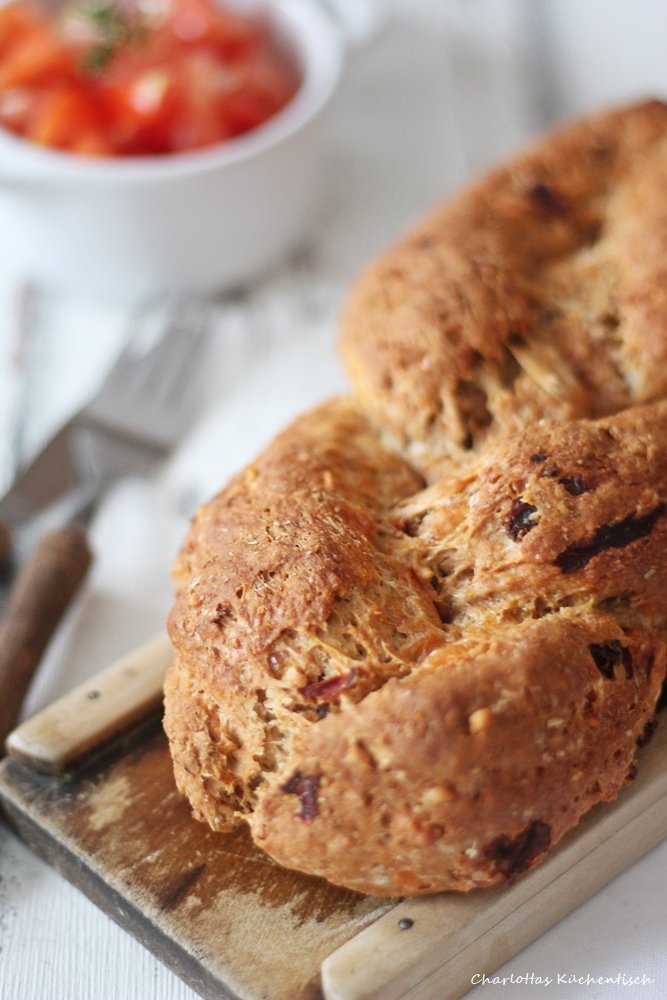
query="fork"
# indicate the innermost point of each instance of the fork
(140, 412)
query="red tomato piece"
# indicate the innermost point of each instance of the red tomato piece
(196, 121)
(16, 21)
(195, 21)
(92, 143)
(16, 105)
(61, 117)
(138, 110)
(38, 55)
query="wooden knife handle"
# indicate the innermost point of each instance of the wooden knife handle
(5, 544)
(40, 597)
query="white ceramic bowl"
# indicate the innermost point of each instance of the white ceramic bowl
(199, 221)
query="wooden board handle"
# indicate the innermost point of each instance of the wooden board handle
(93, 712)
(40, 597)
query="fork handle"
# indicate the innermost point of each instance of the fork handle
(39, 599)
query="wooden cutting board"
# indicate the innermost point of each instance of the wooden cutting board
(231, 922)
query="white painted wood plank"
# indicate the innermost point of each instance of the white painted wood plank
(55, 945)
(607, 51)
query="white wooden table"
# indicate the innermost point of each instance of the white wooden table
(447, 87)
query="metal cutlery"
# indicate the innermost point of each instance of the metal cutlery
(140, 412)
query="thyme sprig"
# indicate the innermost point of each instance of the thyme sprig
(114, 27)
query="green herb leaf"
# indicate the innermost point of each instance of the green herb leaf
(114, 27)
(96, 59)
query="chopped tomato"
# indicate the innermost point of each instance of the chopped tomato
(203, 92)
(36, 57)
(65, 119)
(102, 78)
(92, 143)
(138, 109)
(197, 21)
(15, 22)
(16, 105)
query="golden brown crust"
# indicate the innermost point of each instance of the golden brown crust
(397, 694)
(265, 607)
(539, 291)
(408, 685)
(465, 773)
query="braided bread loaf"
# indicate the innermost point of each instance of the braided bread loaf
(425, 631)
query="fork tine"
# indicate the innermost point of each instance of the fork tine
(165, 372)
(147, 331)
(184, 333)
(150, 391)
(141, 411)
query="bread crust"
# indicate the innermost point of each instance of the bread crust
(540, 290)
(415, 645)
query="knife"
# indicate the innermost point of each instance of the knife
(141, 411)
